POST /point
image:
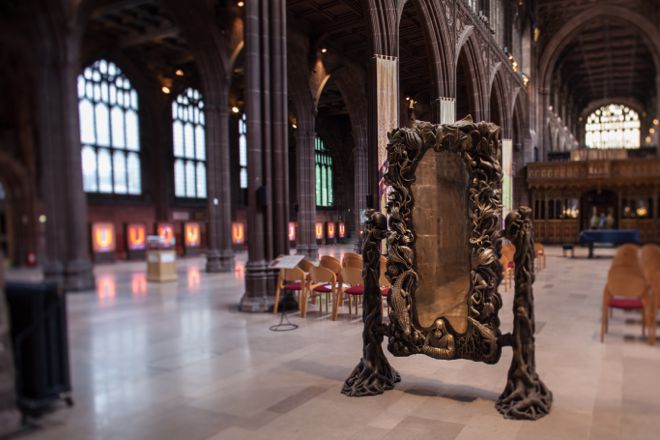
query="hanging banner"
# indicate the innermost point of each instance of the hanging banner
(166, 233)
(292, 231)
(342, 230)
(238, 233)
(103, 238)
(192, 235)
(319, 230)
(507, 177)
(136, 236)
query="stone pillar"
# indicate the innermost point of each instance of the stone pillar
(445, 109)
(265, 24)
(9, 418)
(507, 176)
(66, 260)
(220, 256)
(306, 185)
(361, 183)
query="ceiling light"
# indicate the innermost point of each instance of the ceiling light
(166, 90)
(235, 109)
(178, 72)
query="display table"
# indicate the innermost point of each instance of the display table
(608, 236)
(161, 265)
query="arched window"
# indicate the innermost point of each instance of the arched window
(612, 126)
(242, 151)
(109, 130)
(189, 145)
(324, 170)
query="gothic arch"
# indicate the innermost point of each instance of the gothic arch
(468, 58)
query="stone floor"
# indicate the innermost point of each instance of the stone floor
(177, 361)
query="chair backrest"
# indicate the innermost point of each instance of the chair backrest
(509, 250)
(305, 264)
(294, 274)
(330, 263)
(322, 275)
(352, 260)
(352, 276)
(538, 248)
(351, 255)
(649, 258)
(626, 282)
(626, 255)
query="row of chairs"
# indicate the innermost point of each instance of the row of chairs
(331, 282)
(508, 264)
(633, 283)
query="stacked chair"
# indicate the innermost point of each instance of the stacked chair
(628, 288)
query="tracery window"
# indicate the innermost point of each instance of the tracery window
(109, 130)
(242, 151)
(189, 135)
(612, 126)
(324, 175)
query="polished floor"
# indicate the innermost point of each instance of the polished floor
(178, 361)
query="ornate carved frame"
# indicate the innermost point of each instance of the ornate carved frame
(525, 396)
(477, 144)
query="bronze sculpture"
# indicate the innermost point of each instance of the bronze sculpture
(445, 274)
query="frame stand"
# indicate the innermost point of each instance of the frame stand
(373, 375)
(525, 395)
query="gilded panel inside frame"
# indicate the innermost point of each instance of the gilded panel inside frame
(440, 216)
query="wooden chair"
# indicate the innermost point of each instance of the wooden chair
(323, 281)
(539, 251)
(627, 289)
(305, 265)
(352, 260)
(353, 277)
(649, 258)
(506, 260)
(292, 279)
(331, 263)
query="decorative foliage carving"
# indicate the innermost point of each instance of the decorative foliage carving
(477, 144)
(525, 395)
(373, 374)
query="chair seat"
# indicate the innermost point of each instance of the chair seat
(625, 303)
(297, 285)
(385, 291)
(323, 288)
(355, 290)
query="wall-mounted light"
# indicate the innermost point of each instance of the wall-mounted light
(648, 139)
(651, 130)
(42, 218)
(235, 109)
(240, 4)
(294, 125)
(324, 50)
(656, 122)
(179, 72)
(165, 90)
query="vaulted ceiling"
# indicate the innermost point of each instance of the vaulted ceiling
(607, 58)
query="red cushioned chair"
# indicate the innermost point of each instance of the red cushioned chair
(352, 276)
(323, 282)
(627, 289)
(295, 280)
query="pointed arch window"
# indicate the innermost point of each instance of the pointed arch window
(612, 126)
(324, 175)
(109, 131)
(189, 136)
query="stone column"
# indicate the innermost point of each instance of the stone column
(306, 185)
(361, 183)
(66, 260)
(265, 23)
(220, 256)
(9, 418)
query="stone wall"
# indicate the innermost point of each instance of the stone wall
(8, 414)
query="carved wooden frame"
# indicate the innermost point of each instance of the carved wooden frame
(477, 144)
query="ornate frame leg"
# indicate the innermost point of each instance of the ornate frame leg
(373, 374)
(525, 395)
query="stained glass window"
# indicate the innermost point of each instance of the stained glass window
(242, 151)
(188, 133)
(612, 126)
(109, 131)
(324, 172)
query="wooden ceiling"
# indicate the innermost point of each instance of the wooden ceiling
(142, 30)
(607, 59)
